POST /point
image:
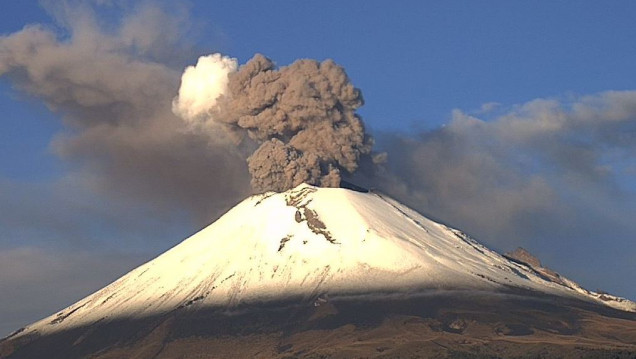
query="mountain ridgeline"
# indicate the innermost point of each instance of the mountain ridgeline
(333, 272)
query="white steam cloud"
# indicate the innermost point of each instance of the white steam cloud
(201, 85)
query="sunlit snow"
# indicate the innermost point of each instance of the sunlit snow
(304, 243)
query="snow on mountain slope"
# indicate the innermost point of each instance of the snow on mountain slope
(307, 242)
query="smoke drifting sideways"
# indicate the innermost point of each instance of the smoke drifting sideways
(298, 123)
(112, 86)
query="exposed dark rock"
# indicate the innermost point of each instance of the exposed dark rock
(283, 241)
(348, 185)
(522, 255)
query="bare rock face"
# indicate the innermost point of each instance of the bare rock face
(525, 257)
(522, 255)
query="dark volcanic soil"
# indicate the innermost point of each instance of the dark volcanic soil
(449, 325)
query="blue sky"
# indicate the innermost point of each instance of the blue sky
(496, 118)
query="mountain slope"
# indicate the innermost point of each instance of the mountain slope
(305, 243)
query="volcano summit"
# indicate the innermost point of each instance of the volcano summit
(331, 272)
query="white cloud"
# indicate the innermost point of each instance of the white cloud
(201, 85)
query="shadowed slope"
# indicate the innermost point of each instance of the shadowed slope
(455, 324)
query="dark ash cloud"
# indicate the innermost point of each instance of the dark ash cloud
(301, 118)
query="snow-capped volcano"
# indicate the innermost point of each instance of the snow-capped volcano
(305, 243)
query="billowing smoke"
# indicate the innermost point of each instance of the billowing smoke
(301, 117)
(114, 88)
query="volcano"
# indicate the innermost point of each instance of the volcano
(333, 272)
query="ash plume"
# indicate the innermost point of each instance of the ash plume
(301, 118)
(112, 86)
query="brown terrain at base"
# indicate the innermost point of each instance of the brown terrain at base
(435, 325)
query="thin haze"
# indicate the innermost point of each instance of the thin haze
(541, 170)
(146, 156)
